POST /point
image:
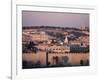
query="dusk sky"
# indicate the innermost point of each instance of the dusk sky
(32, 18)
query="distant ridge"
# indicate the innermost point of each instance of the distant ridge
(51, 27)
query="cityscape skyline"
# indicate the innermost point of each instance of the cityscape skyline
(37, 18)
(55, 39)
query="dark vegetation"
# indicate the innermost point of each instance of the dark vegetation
(27, 48)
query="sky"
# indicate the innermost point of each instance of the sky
(33, 18)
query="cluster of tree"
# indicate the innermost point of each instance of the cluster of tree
(26, 48)
(31, 64)
(59, 36)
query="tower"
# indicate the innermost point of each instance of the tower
(46, 57)
(66, 40)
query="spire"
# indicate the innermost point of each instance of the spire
(66, 40)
